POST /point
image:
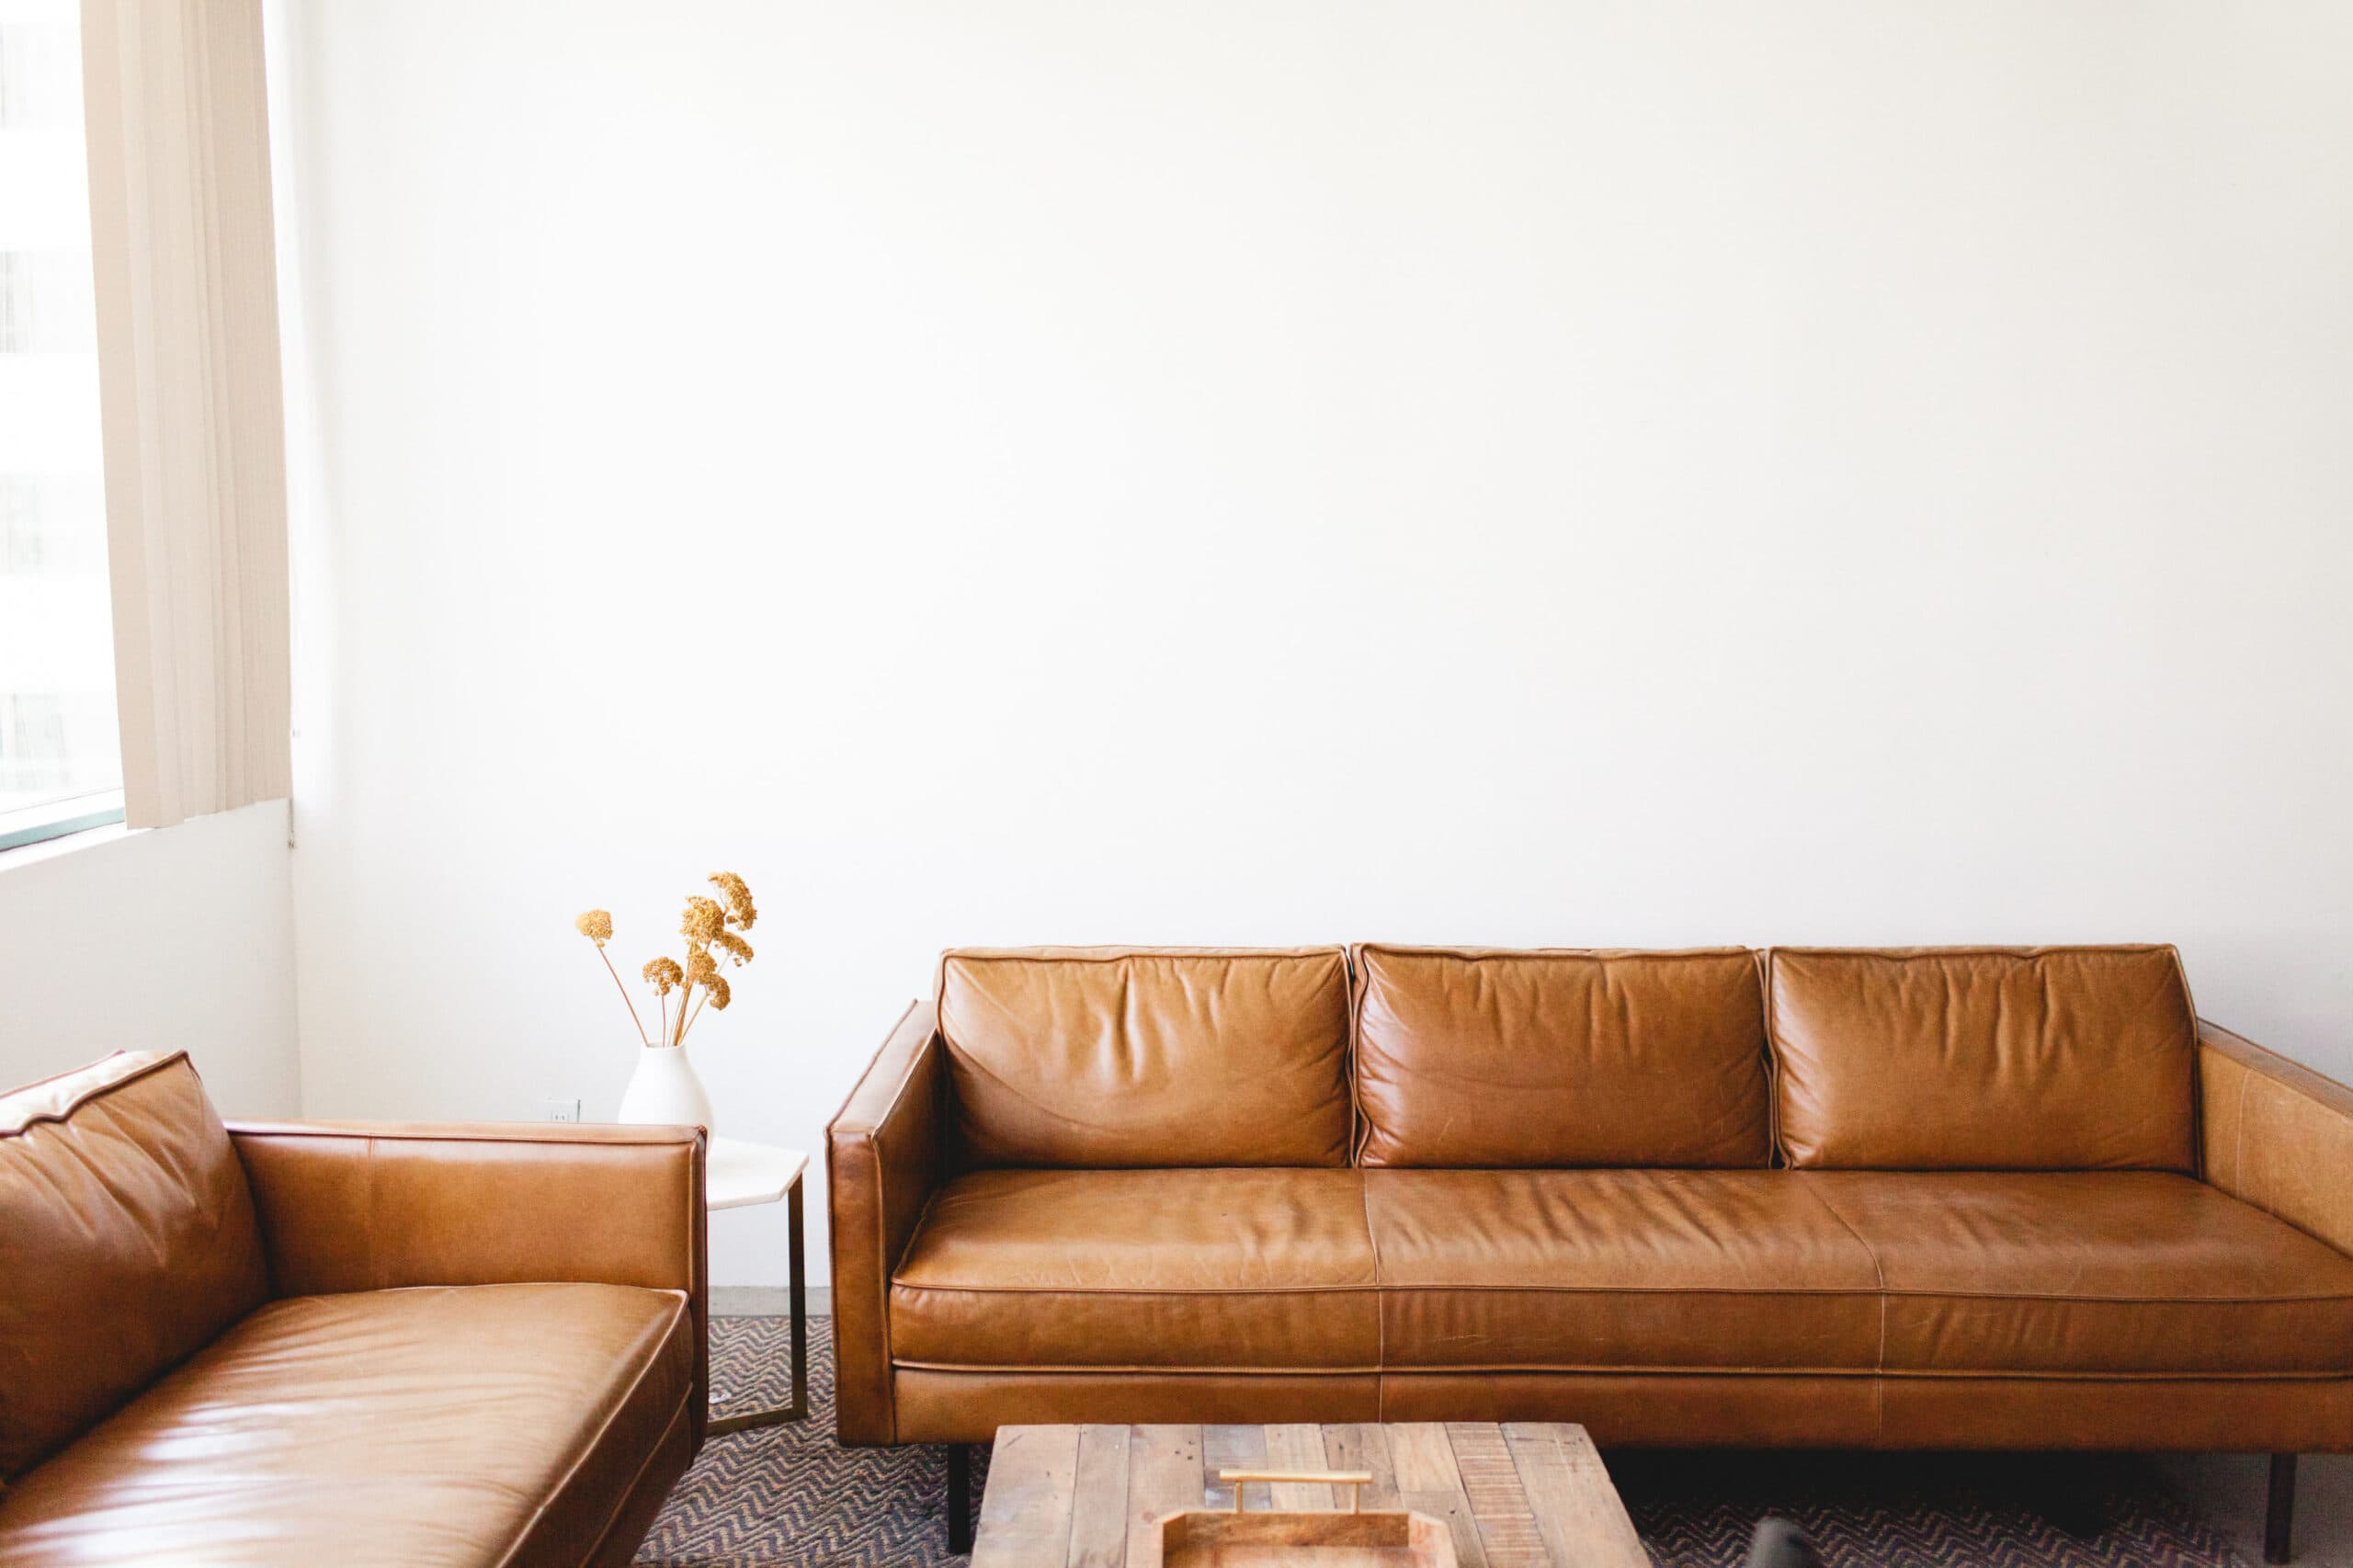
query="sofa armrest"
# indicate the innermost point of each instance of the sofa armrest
(372, 1206)
(883, 1162)
(2276, 1134)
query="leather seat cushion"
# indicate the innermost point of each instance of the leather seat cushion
(2093, 1272)
(1246, 1269)
(1619, 1270)
(475, 1425)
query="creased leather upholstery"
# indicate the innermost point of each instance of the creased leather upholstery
(1680, 1410)
(2092, 1272)
(1101, 1057)
(1478, 1057)
(370, 1205)
(968, 1407)
(2051, 1275)
(1197, 1270)
(883, 1162)
(501, 1424)
(1775, 1410)
(1983, 1058)
(127, 1243)
(1617, 1270)
(489, 1346)
(2278, 1134)
(2153, 1414)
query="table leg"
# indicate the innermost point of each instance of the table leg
(799, 1409)
(800, 1297)
(960, 1499)
(2280, 1512)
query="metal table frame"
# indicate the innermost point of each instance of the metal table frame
(752, 1420)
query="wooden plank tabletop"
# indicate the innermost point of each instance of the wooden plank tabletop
(1524, 1494)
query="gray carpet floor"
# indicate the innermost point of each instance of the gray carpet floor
(788, 1495)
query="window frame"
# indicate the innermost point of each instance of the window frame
(29, 826)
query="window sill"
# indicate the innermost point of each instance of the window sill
(27, 836)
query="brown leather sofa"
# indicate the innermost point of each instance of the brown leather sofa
(1968, 1199)
(343, 1344)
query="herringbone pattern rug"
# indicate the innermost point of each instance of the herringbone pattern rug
(789, 1496)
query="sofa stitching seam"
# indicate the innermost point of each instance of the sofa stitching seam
(683, 1311)
(375, 1271)
(1208, 1291)
(1895, 1374)
(1138, 1369)
(1379, 1313)
(1122, 954)
(1908, 1293)
(685, 1416)
(874, 1157)
(2238, 1136)
(1599, 955)
(882, 1250)
(2167, 1300)
(1879, 1381)
(590, 1135)
(89, 1096)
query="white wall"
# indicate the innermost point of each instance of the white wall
(1576, 472)
(181, 938)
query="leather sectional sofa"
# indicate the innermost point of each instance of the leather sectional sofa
(340, 1343)
(1969, 1198)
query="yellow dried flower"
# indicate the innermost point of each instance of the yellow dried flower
(597, 926)
(665, 975)
(740, 908)
(734, 946)
(704, 920)
(716, 988)
(701, 968)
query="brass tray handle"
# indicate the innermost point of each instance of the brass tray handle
(1354, 1479)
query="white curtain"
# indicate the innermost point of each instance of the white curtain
(190, 392)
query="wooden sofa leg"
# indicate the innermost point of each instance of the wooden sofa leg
(960, 1499)
(2279, 1513)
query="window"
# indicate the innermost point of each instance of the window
(61, 765)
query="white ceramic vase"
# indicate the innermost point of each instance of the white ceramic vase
(663, 1091)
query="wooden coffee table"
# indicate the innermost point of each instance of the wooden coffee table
(1523, 1494)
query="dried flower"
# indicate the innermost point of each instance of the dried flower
(704, 920)
(741, 911)
(597, 925)
(710, 928)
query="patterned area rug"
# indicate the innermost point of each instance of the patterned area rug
(787, 1496)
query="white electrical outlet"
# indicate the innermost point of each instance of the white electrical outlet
(557, 1108)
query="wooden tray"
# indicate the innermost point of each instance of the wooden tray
(1207, 1537)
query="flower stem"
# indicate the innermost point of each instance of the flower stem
(633, 1018)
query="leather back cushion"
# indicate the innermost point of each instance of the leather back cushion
(1985, 1059)
(1108, 1057)
(127, 1243)
(1478, 1057)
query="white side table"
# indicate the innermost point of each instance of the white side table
(737, 1175)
